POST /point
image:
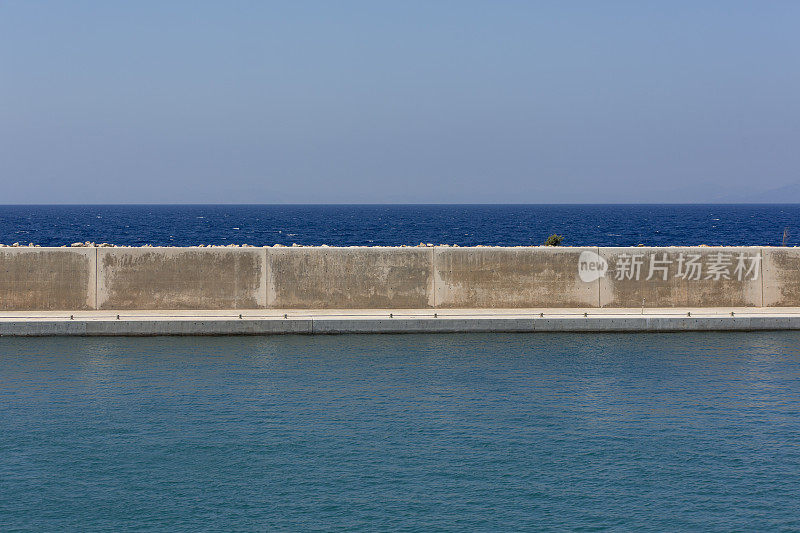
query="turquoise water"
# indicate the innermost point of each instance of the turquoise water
(413, 433)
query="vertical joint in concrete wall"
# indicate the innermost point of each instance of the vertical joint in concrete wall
(265, 273)
(96, 276)
(599, 299)
(761, 272)
(433, 273)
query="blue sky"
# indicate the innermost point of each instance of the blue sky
(397, 102)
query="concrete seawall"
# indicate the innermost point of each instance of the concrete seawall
(152, 278)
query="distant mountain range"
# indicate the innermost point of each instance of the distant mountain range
(788, 194)
(704, 193)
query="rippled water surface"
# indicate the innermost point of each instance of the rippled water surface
(391, 225)
(411, 432)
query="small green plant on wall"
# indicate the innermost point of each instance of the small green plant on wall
(554, 240)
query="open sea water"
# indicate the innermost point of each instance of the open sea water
(410, 433)
(391, 225)
(468, 432)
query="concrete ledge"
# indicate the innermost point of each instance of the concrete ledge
(256, 322)
(327, 325)
(147, 328)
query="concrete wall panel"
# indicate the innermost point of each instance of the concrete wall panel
(181, 278)
(47, 278)
(499, 277)
(681, 277)
(350, 278)
(781, 277)
(396, 278)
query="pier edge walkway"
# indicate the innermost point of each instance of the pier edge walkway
(343, 321)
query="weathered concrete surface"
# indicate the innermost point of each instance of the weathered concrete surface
(681, 277)
(350, 278)
(395, 278)
(781, 277)
(47, 278)
(500, 277)
(181, 278)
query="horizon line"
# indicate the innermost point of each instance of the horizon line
(395, 204)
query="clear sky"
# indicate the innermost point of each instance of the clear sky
(397, 102)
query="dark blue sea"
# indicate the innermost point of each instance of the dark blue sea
(645, 432)
(373, 225)
(464, 432)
